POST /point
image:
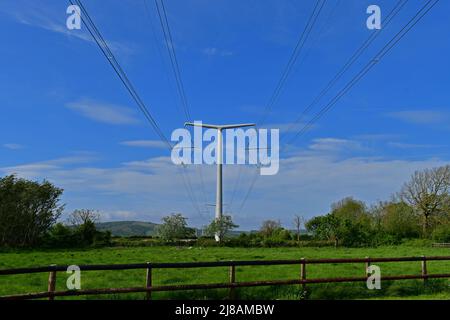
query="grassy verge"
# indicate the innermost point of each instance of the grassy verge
(437, 289)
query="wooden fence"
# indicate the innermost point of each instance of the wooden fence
(149, 287)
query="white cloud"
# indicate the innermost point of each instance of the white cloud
(289, 127)
(216, 52)
(42, 169)
(334, 144)
(53, 19)
(378, 137)
(104, 112)
(401, 145)
(145, 144)
(117, 215)
(308, 182)
(13, 146)
(421, 116)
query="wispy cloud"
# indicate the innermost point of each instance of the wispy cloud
(334, 144)
(43, 168)
(401, 145)
(149, 189)
(211, 51)
(104, 112)
(46, 17)
(377, 137)
(117, 215)
(288, 127)
(421, 116)
(145, 144)
(13, 146)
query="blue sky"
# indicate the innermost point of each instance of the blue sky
(67, 118)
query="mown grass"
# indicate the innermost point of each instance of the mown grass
(413, 289)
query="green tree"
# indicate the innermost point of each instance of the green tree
(62, 236)
(87, 232)
(353, 222)
(325, 228)
(269, 227)
(220, 227)
(442, 233)
(348, 224)
(428, 192)
(83, 221)
(27, 210)
(174, 227)
(400, 220)
(352, 210)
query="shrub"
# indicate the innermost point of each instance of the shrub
(208, 242)
(442, 233)
(87, 232)
(28, 209)
(174, 227)
(417, 243)
(61, 236)
(400, 220)
(102, 239)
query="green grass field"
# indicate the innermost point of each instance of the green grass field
(403, 289)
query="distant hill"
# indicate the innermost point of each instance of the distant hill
(128, 228)
(140, 229)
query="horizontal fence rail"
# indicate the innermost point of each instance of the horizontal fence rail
(232, 284)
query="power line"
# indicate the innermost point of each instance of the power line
(250, 189)
(316, 39)
(293, 58)
(349, 63)
(236, 185)
(386, 49)
(100, 41)
(183, 172)
(411, 23)
(162, 14)
(188, 186)
(284, 77)
(102, 44)
(165, 26)
(177, 72)
(156, 41)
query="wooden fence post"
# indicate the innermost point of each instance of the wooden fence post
(303, 272)
(367, 267)
(148, 283)
(424, 269)
(232, 276)
(52, 282)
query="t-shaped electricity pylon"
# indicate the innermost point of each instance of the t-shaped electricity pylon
(219, 161)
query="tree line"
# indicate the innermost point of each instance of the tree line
(30, 214)
(421, 209)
